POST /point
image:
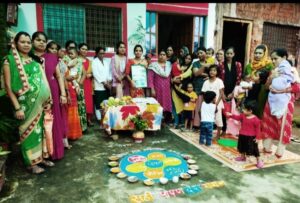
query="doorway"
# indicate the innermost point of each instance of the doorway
(235, 34)
(175, 30)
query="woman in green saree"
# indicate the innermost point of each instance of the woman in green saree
(259, 69)
(28, 89)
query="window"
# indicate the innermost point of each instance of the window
(199, 32)
(151, 32)
(64, 22)
(102, 26)
(95, 25)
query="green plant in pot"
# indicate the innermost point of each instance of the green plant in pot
(140, 125)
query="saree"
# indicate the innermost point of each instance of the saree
(80, 99)
(88, 88)
(134, 92)
(263, 66)
(73, 119)
(29, 83)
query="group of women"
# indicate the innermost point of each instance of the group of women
(37, 80)
(55, 93)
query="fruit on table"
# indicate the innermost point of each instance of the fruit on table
(119, 102)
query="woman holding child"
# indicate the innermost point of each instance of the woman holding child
(274, 128)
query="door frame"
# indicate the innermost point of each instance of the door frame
(248, 37)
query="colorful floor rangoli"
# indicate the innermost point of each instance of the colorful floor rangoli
(153, 164)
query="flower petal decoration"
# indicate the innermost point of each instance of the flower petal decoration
(149, 117)
(129, 110)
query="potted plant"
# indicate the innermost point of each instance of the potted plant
(140, 125)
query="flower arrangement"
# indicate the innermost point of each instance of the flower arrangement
(139, 123)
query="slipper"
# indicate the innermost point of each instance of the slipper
(36, 169)
(295, 140)
(267, 152)
(68, 147)
(47, 163)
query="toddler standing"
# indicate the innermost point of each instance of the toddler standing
(208, 109)
(249, 132)
(189, 107)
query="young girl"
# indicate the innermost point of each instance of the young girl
(216, 85)
(189, 107)
(249, 132)
(208, 109)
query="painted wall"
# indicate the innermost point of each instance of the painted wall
(26, 18)
(136, 26)
(211, 25)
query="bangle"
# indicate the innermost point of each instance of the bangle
(20, 108)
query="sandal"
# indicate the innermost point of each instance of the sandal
(68, 147)
(266, 151)
(278, 156)
(47, 163)
(36, 169)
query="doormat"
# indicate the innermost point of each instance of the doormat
(227, 155)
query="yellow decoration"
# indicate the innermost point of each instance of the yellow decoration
(171, 161)
(156, 156)
(154, 173)
(146, 197)
(152, 108)
(136, 167)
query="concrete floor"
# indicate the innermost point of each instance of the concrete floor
(83, 175)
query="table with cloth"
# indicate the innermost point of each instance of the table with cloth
(119, 117)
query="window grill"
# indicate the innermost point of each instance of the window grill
(97, 26)
(280, 36)
(64, 22)
(103, 26)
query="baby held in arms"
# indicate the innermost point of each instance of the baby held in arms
(282, 79)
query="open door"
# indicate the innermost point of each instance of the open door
(237, 33)
(176, 30)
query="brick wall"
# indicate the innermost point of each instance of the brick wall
(285, 13)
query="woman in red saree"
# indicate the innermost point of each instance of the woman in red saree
(87, 82)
